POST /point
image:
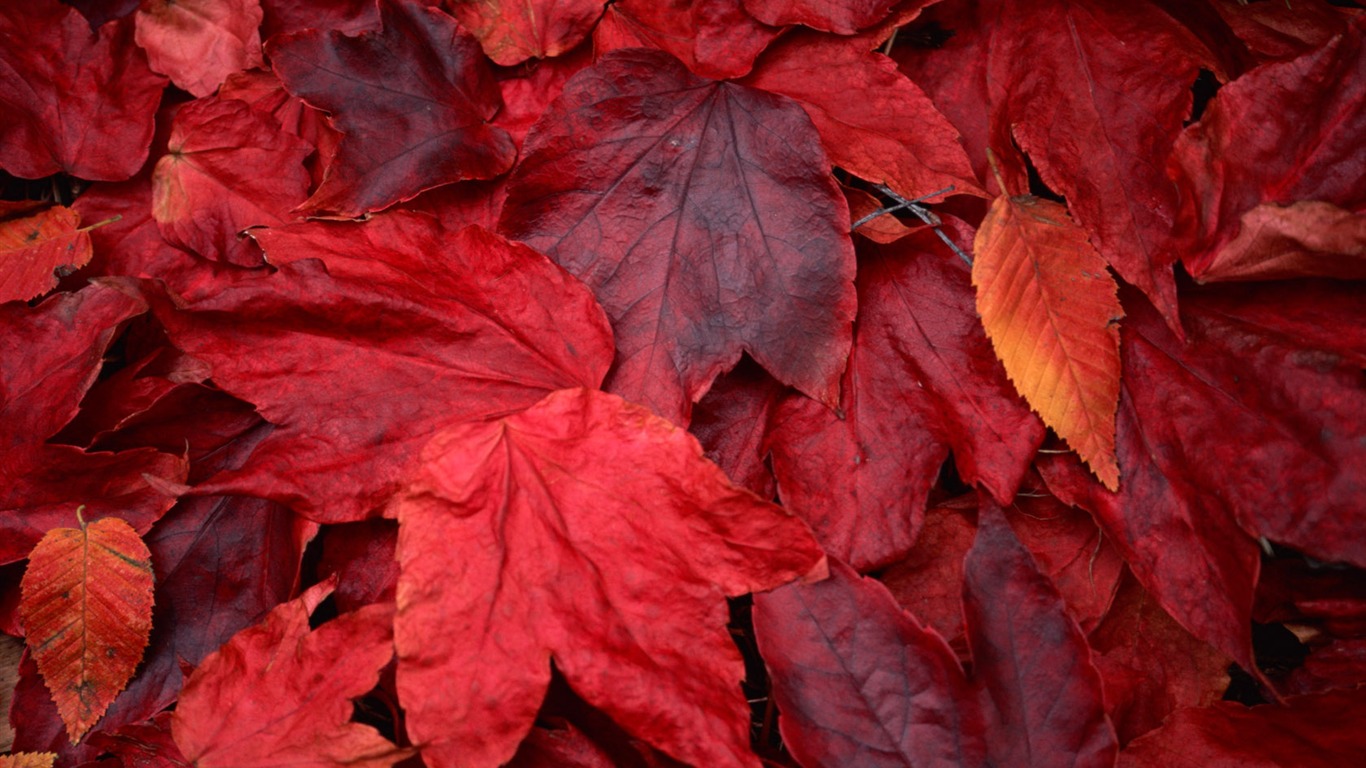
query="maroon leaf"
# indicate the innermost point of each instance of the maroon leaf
(1040, 693)
(51, 355)
(1283, 135)
(371, 371)
(922, 380)
(412, 100)
(859, 682)
(708, 226)
(74, 102)
(1318, 731)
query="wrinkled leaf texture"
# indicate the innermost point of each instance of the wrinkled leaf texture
(706, 224)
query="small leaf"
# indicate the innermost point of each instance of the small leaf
(28, 760)
(86, 604)
(33, 248)
(278, 694)
(1049, 307)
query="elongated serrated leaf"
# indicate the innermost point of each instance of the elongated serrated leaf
(1049, 307)
(28, 760)
(86, 604)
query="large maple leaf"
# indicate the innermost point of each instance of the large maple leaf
(922, 381)
(411, 99)
(51, 355)
(372, 370)
(74, 102)
(588, 531)
(704, 218)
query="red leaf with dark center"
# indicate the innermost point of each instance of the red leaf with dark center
(511, 543)
(413, 101)
(709, 226)
(74, 102)
(372, 370)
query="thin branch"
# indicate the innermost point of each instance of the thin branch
(922, 213)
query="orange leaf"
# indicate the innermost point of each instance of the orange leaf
(1049, 307)
(28, 760)
(86, 605)
(33, 248)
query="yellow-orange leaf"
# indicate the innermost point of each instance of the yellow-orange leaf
(1050, 309)
(86, 605)
(28, 760)
(32, 249)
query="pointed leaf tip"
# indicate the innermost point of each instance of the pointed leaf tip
(1050, 308)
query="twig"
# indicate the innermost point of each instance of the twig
(922, 213)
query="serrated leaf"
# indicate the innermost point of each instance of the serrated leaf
(28, 760)
(86, 604)
(1049, 307)
(32, 248)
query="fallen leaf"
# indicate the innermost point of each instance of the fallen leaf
(1285, 134)
(709, 226)
(886, 131)
(713, 38)
(35, 249)
(49, 356)
(226, 168)
(1050, 310)
(373, 372)
(510, 550)
(234, 713)
(28, 760)
(75, 102)
(842, 18)
(411, 99)
(198, 43)
(921, 382)
(1317, 731)
(87, 612)
(513, 31)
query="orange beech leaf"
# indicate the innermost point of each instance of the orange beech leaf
(279, 695)
(86, 604)
(32, 249)
(1049, 307)
(28, 760)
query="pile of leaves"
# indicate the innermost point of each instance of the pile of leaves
(655, 383)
